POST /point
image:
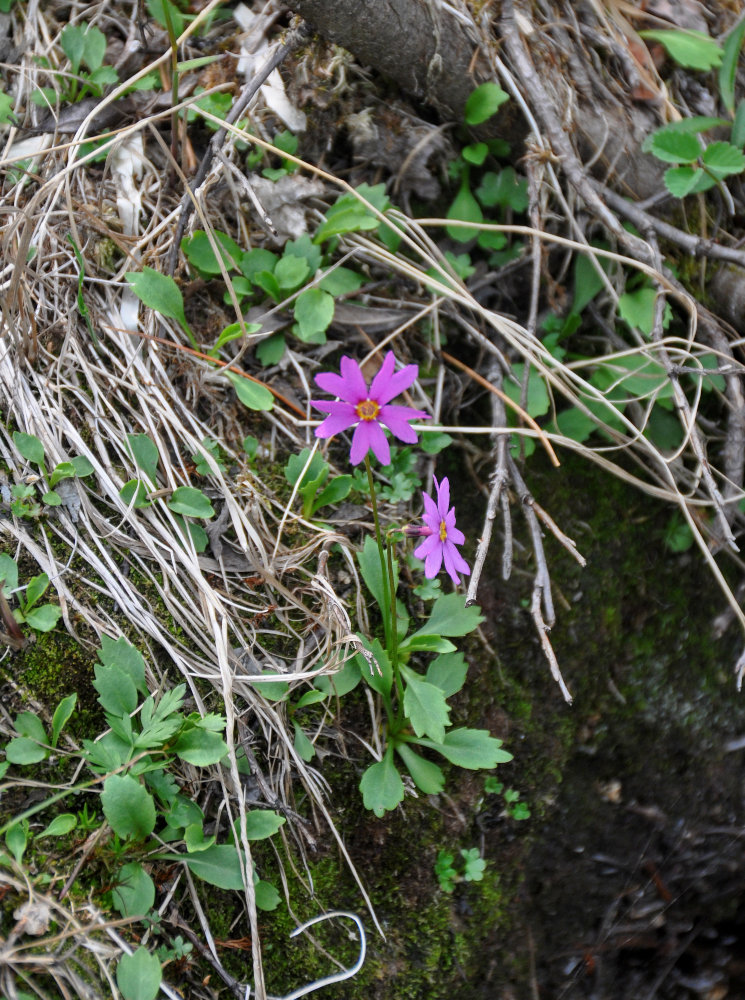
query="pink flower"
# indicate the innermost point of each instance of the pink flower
(368, 408)
(442, 536)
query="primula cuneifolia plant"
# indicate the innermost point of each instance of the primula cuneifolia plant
(416, 704)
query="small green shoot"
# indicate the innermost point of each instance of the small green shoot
(469, 867)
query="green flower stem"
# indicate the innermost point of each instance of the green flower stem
(390, 623)
(394, 639)
(379, 540)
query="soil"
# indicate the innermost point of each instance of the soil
(633, 880)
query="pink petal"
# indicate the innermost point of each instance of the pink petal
(369, 435)
(332, 383)
(454, 562)
(433, 562)
(443, 497)
(455, 535)
(357, 387)
(341, 417)
(431, 515)
(386, 385)
(396, 420)
(430, 543)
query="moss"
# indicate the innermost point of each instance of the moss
(52, 667)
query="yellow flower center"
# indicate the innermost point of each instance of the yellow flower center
(443, 531)
(368, 409)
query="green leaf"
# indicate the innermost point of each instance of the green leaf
(682, 181)
(138, 976)
(673, 146)
(165, 11)
(94, 47)
(62, 715)
(72, 42)
(117, 692)
(22, 750)
(637, 308)
(450, 616)
(448, 673)
(377, 670)
(303, 746)
(195, 840)
(728, 69)
(232, 332)
(738, 126)
(291, 272)
(122, 654)
(183, 812)
(587, 281)
(261, 824)
(347, 215)
(83, 466)
(342, 682)
(198, 251)
(8, 572)
(258, 260)
(16, 840)
(425, 706)
(200, 748)
(314, 311)
(37, 587)
(475, 153)
(29, 724)
(372, 574)
(190, 502)
(252, 394)
(219, 865)
(423, 643)
(316, 472)
(267, 897)
(43, 619)
(381, 785)
(128, 807)
(339, 488)
(723, 159)
(145, 455)
(428, 777)
(161, 293)
(538, 402)
(470, 748)
(52, 499)
(474, 865)
(30, 447)
(690, 49)
(434, 442)
(505, 189)
(464, 208)
(65, 470)
(271, 350)
(341, 281)
(60, 826)
(134, 893)
(6, 107)
(484, 102)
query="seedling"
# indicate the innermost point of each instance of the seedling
(311, 477)
(31, 448)
(41, 618)
(513, 806)
(470, 863)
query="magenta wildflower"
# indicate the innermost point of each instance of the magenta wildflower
(368, 408)
(442, 536)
